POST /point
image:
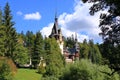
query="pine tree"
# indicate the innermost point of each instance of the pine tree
(21, 53)
(29, 39)
(1, 17)
(84, 49)
(90, 51)
(11, 35)
(54, 59)
(2, 39)
(94, 53)
(29, 43)
(70, 41)
(37, 49)
(2, 36)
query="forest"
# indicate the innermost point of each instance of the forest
(97, 61)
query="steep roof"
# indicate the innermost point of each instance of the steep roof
(55, 28)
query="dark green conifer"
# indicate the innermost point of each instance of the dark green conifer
(37, 49)
(54, 58)
(11, 35)
(2, 35)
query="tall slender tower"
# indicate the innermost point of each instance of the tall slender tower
(54, 32)
(57, 34)
(77, 47)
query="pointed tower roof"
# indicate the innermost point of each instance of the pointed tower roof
(55, 27)
(76, 37)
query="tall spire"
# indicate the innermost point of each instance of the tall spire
(76, 37)
(54, 32)
(56, 19)
(77, 47)
(56, 16)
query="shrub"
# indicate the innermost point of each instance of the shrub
(50, 78)
(7, 69)
(54, 59)
(12, 66)
(85, 70)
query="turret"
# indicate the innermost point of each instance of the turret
(57, 34)
(76, 43)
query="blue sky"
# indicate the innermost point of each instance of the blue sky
(38, 15)
(46, 8)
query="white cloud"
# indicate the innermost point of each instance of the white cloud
(32, 16)
(19, 13)
(47, 30)
(85, 25)
(68, 33)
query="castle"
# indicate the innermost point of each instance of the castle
(70, 54)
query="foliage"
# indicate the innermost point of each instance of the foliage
(2, 40)
(54, 59)
(84, 50)
(29, 43)
(29, 40)
(90, 51)
(21, 53)
(11, 35)
(49, 78)
(94, 53)
(110, 29)
(12, 66)
(5, 73)
(85, 70)
(103, 4)
(1, 18)
(7, 69)
(69, 42)
(111, 55)
(2, 35)
(37, 49)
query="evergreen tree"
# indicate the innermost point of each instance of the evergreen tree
(94, 53)
(84, 49)
(29, 43)
(11, 35)
(69, 42)
(1, 18)
(29, 39)
(90, 51)
(2, 36)
(21, 53)
(111, 55)
(2, 40)
(37, 49)
(54, 59)
(23, 36)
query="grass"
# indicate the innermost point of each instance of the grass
(27, 74)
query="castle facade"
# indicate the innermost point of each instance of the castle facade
(70, 54)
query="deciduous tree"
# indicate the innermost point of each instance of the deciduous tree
(110, 29)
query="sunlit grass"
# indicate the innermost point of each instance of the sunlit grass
(27, 74)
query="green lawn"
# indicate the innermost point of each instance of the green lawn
(27, 74)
